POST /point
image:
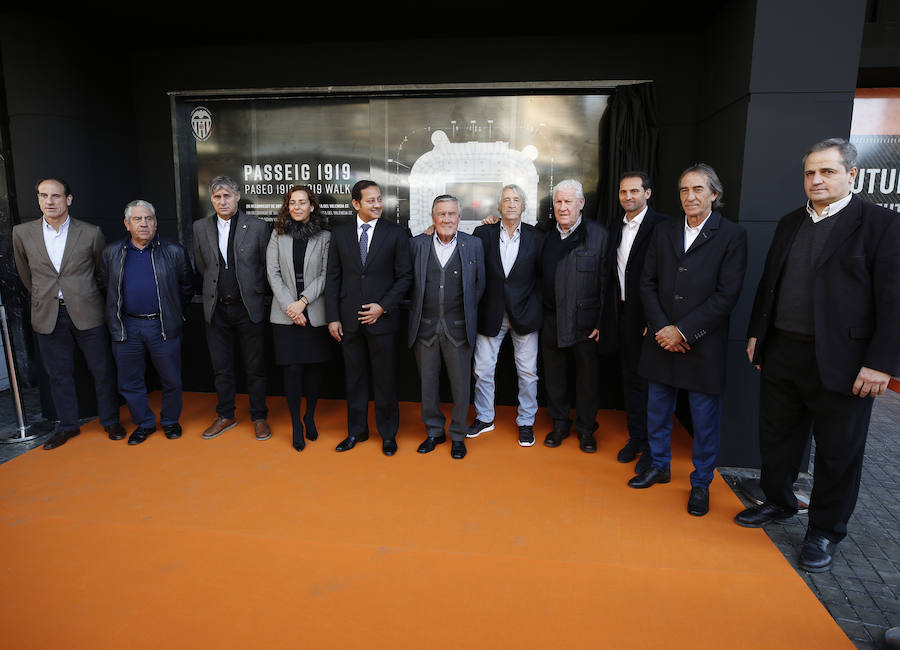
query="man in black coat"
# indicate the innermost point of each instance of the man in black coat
(511, 305)
(368, 274)
(629, 240)
(573, 279)
(230, 254)
(824, 332)
(691, 281)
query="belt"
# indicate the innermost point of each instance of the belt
(144, 316)
(62, 302)
(228, 301)
(795, 336)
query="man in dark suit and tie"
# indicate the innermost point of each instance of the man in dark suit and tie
(58, 259)
(691, 281)
(629, 239)
(368, 275)
(230, 254)
(824, 332)
(511, 304)
(448, 282)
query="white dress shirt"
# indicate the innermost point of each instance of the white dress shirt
(690, 234)
(442, 250)
(224, 227)
(55, 241)
(830, 209)
(509, 247)
(629, 232)
(369, 232)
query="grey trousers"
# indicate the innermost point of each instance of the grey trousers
(458, 361)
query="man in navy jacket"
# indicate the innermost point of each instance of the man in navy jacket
(691, 281)
(511, 305)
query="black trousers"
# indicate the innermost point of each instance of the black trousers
(557, 362)
(364, 354)
(791, 393)
(58, 356)
(231, 324)
(634, 388)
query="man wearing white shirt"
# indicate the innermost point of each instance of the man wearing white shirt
(823, 332)
(368, 275)
(448, 281)
(230, 254)
(58, 259)
(690, 283)
(629, 240)
(511, 304)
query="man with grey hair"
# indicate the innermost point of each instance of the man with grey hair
(692, 278)
(823, 332)
(448, 281)
(573, 282)
(511, 304)
(149, 283)
(230, 254)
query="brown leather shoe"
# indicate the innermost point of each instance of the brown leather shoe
(219, 425)
(261, 430)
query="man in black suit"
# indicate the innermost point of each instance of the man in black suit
(824, 332)
(691, 281)
(368, 275)
(230, 254)
(511, 304)
(448, 272)
(629, 240)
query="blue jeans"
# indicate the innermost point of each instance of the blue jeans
(145, 337)
(525, 353)
(706, 413)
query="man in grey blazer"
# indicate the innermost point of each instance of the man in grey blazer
(448, 282)
(58, 259)
(230, 254)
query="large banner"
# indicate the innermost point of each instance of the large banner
(416, 148)
(876, 133)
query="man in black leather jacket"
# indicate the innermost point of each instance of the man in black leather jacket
(149, 282)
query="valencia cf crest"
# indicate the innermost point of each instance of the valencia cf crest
(201, 123)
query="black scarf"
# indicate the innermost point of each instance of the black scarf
(302, 230)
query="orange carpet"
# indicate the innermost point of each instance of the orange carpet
(234, 543)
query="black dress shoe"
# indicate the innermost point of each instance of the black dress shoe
(389, 447)
(756, 516)
(311, 432)
(140, 435)
(587, 443)
(431, 442)
(644, 462)
(172, 431)
(648, 478)
(299, 443)
(817, 553)
(698, 503)
(458, 449)
(60, 438)
(350, 442)
(629, 452)
(560, 432)
(115, 431)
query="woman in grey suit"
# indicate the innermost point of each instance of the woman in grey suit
(295, 264)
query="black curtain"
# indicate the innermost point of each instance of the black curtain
(629, 141)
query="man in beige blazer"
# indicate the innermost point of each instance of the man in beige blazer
(57, 258)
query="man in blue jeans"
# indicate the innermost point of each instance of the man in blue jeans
(691, 281)
(149, 283)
